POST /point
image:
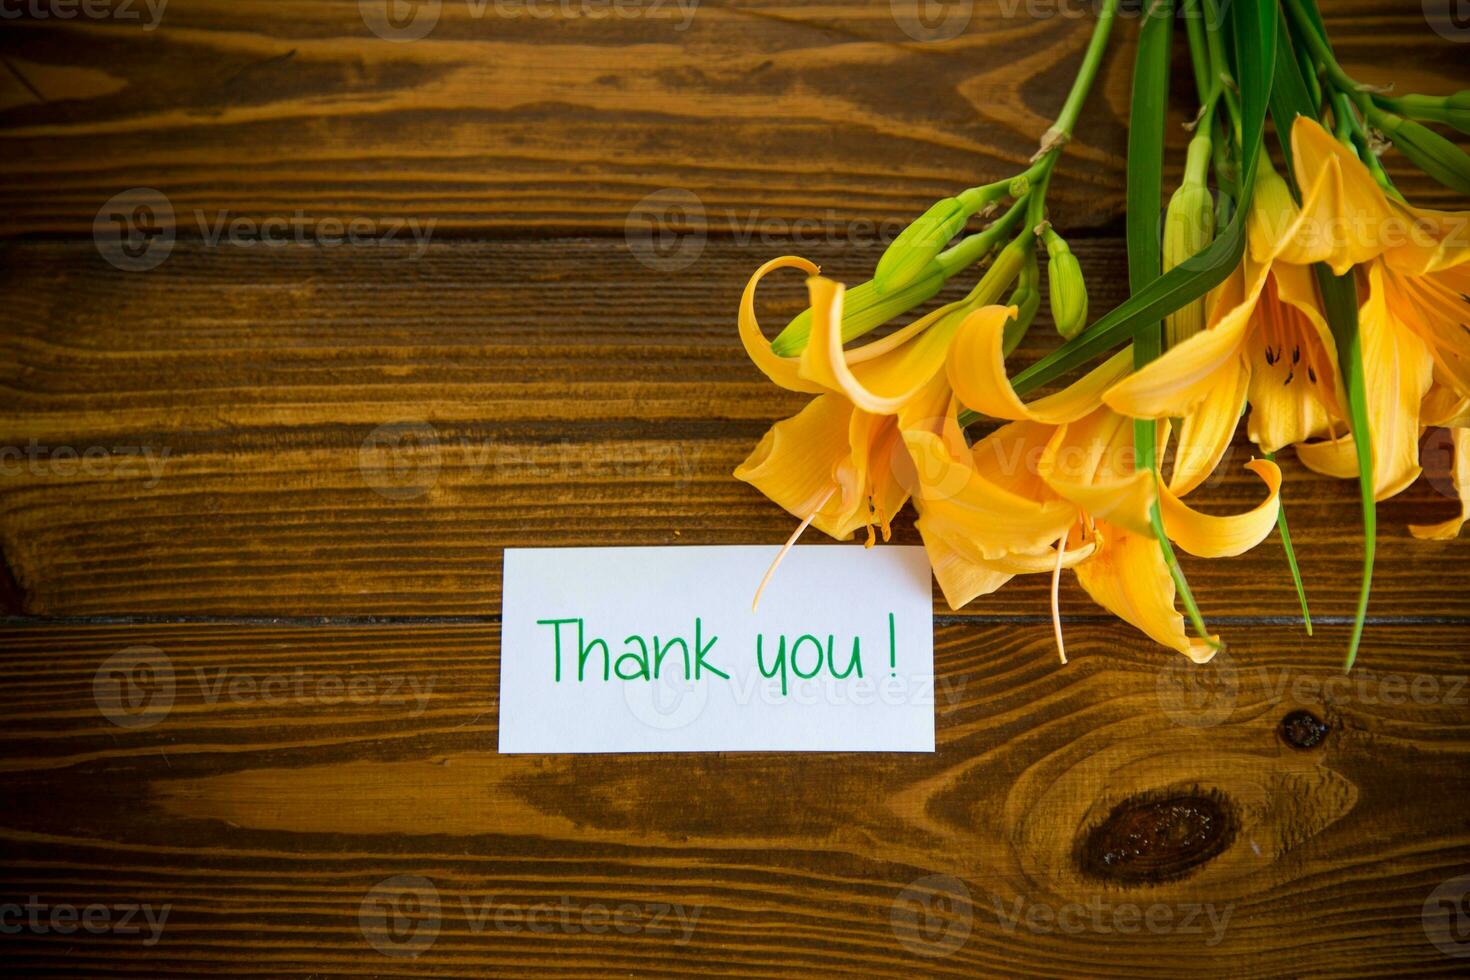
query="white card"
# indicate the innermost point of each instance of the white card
(838, 658)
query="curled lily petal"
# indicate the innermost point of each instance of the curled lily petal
(781, 370)
(1330, 457)
(1127, 576)
(1446, 530)
(977, 373)
(883, 377)
(1209, 536)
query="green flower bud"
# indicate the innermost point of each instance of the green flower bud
(922, 241)
(1026, 298)
(1431, 152)
(1273, 210)
(1450, 110)
(1066, 287)
(1189, 226)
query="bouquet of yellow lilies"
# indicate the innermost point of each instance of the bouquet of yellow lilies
(1316, 297)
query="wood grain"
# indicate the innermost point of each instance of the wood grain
(533, 117)
(300, 431)
(263, 816)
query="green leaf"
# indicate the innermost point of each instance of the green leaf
(1340, 304)
(1253, 25)
(1145, 252)
(1296, 572)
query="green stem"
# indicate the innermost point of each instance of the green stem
(1199, 52)
(1321, 51)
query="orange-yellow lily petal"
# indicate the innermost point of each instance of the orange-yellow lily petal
(961, 578)
(1344, 225)
(1294, 389)
(881, 382)
(977, 373)
(781, 370)
(1128, 577)
(984, 521)
(1206, 433)
(832, 459)
(1090, 462)
(1209, 536)
(1175, 384)
(1460, 475)
(1397, 373)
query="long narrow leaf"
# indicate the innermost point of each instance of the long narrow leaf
(1289, 99)
(1145, 259)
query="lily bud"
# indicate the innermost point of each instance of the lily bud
(1273, 207)
(922, 241)
(1189, 226)
(1066, 287)
(1431, 152)
(1450, 110)
(1026, 298)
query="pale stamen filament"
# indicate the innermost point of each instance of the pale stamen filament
(1056, 588)
(787, 547)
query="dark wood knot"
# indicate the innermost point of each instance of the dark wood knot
(1303, 730)
(1146, 840)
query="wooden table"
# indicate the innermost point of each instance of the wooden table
(266, 486)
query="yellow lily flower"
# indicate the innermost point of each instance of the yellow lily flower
(1414, 267)
(1266, 345)
(834, 463)
(1069, 448)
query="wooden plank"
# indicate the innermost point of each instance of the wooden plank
(262, 811)
(312, 432)
(515, 116)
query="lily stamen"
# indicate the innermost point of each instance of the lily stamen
(1056, 590)
(787, 547)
